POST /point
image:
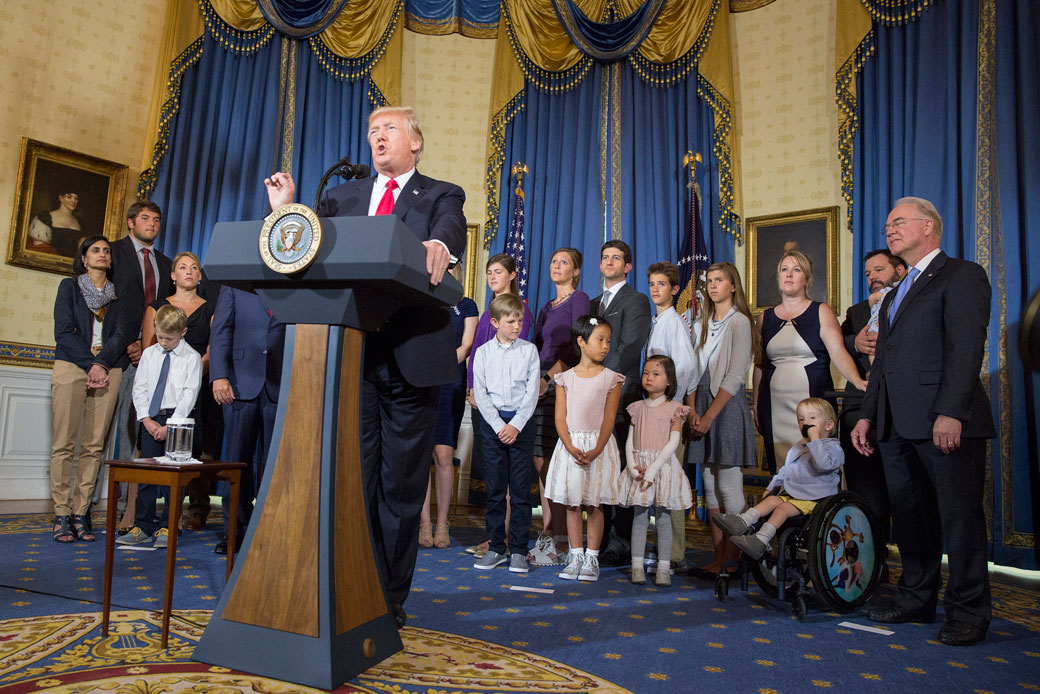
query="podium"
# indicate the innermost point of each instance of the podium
(304, 602)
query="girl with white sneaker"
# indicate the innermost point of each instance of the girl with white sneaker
(585, 464)
(654, 478)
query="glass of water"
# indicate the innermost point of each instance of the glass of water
(180, 433)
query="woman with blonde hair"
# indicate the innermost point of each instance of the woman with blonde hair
(800, 338)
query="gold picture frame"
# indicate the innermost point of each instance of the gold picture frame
(46, 172)
(469, 261)
(813, 232)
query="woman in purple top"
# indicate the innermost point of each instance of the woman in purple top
(552, 336)
(501, 279)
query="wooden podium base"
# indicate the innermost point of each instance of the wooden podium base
(304, 603)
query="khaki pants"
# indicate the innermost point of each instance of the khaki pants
(86, 413)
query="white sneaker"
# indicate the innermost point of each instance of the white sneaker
(544, 552)
(573, 568)
(589, 569)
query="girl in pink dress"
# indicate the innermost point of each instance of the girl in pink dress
(654, 478)
(585, 464)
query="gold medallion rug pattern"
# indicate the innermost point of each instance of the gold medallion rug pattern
(65, 654)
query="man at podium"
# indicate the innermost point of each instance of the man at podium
(412, 353)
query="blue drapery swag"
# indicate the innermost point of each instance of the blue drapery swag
(939, 84)
(243, 105)
(473, 18)
(300, 19)
(607, 41)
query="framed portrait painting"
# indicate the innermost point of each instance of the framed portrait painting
(468, 262)
(62, 196)
(814, 233)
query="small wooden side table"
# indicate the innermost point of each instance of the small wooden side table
(175, 476)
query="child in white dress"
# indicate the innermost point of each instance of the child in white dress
(654, 478)
(584, 467)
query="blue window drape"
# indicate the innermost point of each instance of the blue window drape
(948, 110)
(223, 140)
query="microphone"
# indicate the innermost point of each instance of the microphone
(344, 169)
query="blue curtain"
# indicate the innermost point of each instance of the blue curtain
(558, 136)
(330, 123)
(1017, 261)
(917, 128)
(948, 111)
(565, 140)
(223, 141)
(658, 126)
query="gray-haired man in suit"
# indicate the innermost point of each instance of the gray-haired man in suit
(932, 417)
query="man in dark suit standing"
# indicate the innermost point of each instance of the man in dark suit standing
(865, 475)
(246, 343)
(412, 353)
(141, 274)
(932, 417)
(628, 313)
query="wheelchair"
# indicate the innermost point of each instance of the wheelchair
(835, 553)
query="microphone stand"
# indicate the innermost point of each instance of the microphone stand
(344, 169)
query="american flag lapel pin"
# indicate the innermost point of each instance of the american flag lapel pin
(415, 192)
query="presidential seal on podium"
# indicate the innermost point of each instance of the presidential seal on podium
(290, 239)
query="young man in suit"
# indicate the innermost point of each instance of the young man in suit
(865, 475)
(141, 274)
(245, 367)
(932, 418)
(413, 352)
(628, 313)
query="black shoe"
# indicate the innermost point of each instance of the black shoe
(956, 633)
(221, 547)
(615, 555)
(894, 614)
(400, 616)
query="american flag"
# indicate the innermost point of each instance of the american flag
(693, 255)
(516, 245)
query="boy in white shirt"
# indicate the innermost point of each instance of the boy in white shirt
(506, 375)
(166, 384)
(670, 336)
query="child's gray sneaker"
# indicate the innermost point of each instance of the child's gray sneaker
(589, 569)
(490, 560)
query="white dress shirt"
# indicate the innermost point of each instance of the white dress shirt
(669, 337)
(182, 381)
(506, 377)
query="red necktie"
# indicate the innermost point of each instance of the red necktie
(149, 280)
(386, 204)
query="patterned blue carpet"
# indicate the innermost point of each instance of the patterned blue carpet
(469, 631)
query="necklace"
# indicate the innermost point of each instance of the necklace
(560, 299)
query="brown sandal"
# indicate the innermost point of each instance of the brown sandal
(425, 535)
(441, 539)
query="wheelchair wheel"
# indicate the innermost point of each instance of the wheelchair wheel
(765, 569)
(799, 608)
(721, 588)
(845, 550)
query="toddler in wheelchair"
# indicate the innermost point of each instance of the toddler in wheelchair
(812, 471)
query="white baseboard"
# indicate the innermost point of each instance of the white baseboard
(25, 433)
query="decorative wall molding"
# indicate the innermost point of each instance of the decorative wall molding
(20, 354)
(25, 433)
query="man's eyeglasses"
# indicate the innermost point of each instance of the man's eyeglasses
(899, 223)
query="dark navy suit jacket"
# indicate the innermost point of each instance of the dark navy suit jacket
(129, 281)
(74, 330)
(245, 345)
(928, 360)
(421, 339)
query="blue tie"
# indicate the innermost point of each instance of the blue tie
(904, 287)
(160, 386)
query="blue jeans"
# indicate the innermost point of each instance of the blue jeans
(507, 466)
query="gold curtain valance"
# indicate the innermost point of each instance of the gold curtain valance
(544, 43)
(358, 30)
